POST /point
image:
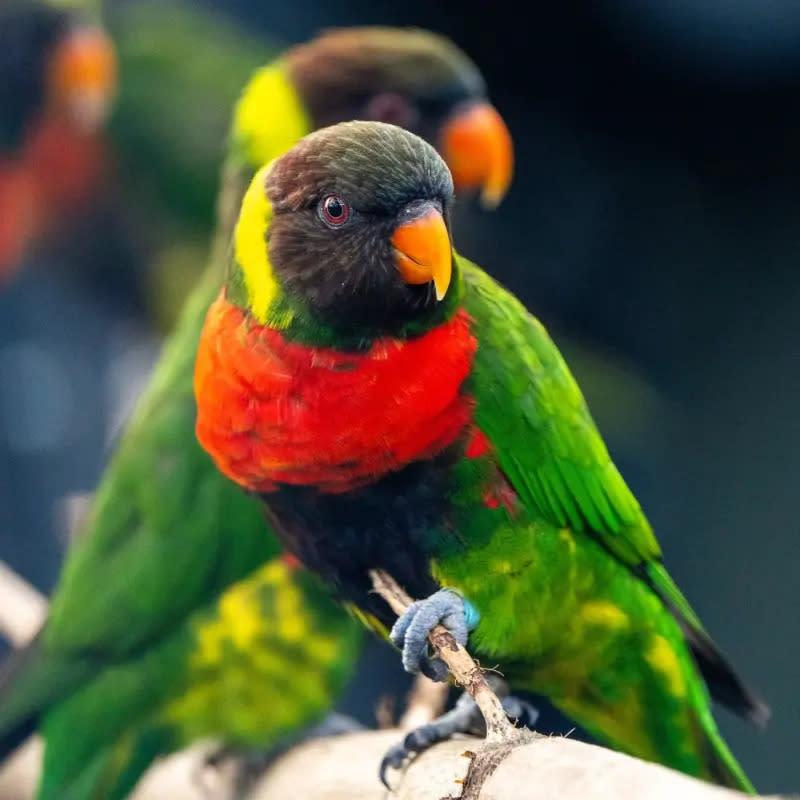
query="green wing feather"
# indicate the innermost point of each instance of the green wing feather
(550, 449)
(157, 520)
(555, 458)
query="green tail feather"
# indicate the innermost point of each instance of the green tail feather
(723, 768)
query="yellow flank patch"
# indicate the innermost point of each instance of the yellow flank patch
(250, 247)
(242, 616)
(269, 117)
(566, 535)
(601, 612)
(291, 620)
(239, 620)
(661, 657)
(323, 650)
(258, 637)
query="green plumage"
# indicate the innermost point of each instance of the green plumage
(518, 507)
(132, 655)
(174, 617)
(160, 631)
(573, 598)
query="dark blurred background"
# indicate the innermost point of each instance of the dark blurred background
(653, 225)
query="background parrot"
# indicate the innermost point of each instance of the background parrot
(396, 408)
(174, 617)
(59, 79)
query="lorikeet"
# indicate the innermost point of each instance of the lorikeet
(395, 408)
(175, 617)
(57, 81)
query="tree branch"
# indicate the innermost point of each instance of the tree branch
(464, 670)
(345, 767)
(23, 608)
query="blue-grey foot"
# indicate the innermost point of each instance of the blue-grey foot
(465, 717)
(410, 632)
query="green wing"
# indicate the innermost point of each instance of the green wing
(163, 517)
(532, 410)
(549, 447)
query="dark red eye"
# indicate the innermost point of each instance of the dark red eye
(334, 211)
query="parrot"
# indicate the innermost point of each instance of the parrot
(177, 615)
(395, 408)
(57, 86)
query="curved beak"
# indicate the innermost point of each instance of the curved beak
(477, 146)
(422, 249)
(83, 76)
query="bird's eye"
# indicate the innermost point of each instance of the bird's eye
(334, 211)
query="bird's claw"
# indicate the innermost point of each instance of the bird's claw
(410, 632)
(465, 717)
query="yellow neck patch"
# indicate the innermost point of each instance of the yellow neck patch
(269, 118)
(250, 250)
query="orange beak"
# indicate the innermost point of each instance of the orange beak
(422, 250)
(477, 146)
(83, 76)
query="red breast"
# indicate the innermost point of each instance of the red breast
(271, 411)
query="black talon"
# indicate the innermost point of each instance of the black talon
(465, 717)
(393, 759)
(435, 669)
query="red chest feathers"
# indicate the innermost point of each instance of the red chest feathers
(273, 412)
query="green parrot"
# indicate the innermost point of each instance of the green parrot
(395, 408)
(176, 617)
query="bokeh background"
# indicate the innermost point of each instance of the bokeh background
(653, 225)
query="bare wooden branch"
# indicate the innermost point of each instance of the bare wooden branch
(344, 768)
(23, 608)
(464, 670)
